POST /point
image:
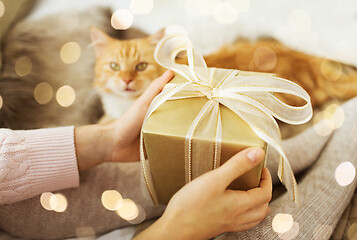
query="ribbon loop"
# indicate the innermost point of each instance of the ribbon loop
(249, 97)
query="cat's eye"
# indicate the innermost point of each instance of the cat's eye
(141, 66)
(114, 66)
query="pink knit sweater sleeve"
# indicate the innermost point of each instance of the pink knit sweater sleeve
(36, 161)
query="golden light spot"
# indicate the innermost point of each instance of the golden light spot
(85, 233)
(141, 6)
(58, 202)
(112, 200)
(68, 21)
(140, 218)
(23, 66)
(300, 20)
(337, 113)
(345, 51)
(322, 232)
(323, 123)
(291, 234)
(45, 200)
(128, 211)
(66, 96)
(122, 19)
(70, 52)
(2, 9)
(282, 222)
(264, 58)
(345, 173)
(225, 13)
(331, 70)
(1, 102)
(352, 232)
(43, 93)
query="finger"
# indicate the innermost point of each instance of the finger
(156, 87)
(263, 193)
(239, 164)
(253, 215)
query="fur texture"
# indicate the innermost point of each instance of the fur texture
(323, 79)
(123, 69)
(39, 40)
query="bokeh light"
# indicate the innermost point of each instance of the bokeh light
(331, 118)
(70, 52)
(66, 96)
(337, 113)
(331, 70)
(300, 20)
(323, 123)
(85, 233)
(141, 6)
(225, 13)
(345, 173)
(1, 102)
(352, 232)
(140, 217)
(43, 93)
(23, 66)
(68, 21)
(291, 234)
(128, 211)
(122, 19)
(322, 232)
(264, 58)
(2, 9)
(58, 202)
(346, 51)
(282, 222)
(45, 200)
(112, 200)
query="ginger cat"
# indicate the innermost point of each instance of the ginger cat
(123, 70)
(323, 79)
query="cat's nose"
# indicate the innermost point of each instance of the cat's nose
(127, 80)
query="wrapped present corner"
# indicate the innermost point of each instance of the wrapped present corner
(204, 116)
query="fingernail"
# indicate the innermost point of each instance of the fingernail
(254, 155)
(167, 73)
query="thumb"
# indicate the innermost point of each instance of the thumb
(239, 164)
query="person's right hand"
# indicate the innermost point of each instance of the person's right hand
(204, 208)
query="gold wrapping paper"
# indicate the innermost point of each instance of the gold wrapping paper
(164, 141)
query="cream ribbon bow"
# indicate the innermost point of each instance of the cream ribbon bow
(250, 97)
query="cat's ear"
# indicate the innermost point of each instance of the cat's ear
(99, 40)
(155, 38)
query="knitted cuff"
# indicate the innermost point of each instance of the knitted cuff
(52, 159)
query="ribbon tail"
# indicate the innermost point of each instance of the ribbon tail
(146, 173)
(286, 176)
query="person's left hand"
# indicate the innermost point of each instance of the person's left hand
(119, 140)
(127, 128)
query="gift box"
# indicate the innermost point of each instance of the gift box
(204, 116)
(164, 136)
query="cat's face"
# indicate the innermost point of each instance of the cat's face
(124, 67)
